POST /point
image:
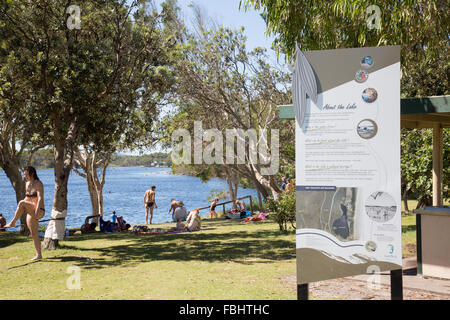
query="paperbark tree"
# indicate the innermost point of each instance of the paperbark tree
(237, 87)
(94, 167)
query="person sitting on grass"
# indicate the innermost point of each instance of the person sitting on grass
(194, 221)
(122, 225)
(180, 215)
(114, 218)
(89, 227)
(106, 226)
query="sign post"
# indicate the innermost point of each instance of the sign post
(347, 106)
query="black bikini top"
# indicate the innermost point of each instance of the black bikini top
(32, 195)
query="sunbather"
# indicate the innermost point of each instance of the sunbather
(89, 227)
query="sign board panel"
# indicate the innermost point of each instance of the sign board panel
(348, 162)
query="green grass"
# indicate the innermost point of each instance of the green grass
(409, 236)
(228, 260)
(409, 229)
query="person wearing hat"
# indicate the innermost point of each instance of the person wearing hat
(180, 213)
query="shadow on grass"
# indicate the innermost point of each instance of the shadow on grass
(25, 264)
(10, 238)
(237, 246)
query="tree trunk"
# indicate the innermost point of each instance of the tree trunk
(84, 160)
(424, 201)
(99, 183)
(63, 153)
(269, 184)
(11, 167)
(233, 184)
(405, 199)
(260, 204)
(89, 162)
(93, 196)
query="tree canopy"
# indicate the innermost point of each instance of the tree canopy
(420, 27)
(96, 86)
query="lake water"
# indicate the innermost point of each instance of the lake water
(123, 192)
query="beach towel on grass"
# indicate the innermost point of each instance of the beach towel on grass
(261, 216)
(238, 215)
(146, 230)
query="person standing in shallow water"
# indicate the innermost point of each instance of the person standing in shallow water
(149, 203)
(33, 205)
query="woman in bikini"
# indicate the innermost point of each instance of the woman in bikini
(212, 209)
(33, 205)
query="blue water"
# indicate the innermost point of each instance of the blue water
(123, 192)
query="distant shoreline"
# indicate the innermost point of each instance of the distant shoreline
(110, 166)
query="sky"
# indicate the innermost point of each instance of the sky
(227, 13)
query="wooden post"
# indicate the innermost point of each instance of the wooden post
(302, 291)
(224, 209)
(397, 284)
(437, 165)
(419, 243)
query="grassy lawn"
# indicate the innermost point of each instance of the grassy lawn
(409, 236)
(228, 260)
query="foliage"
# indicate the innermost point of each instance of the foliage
(140, 160)
(226, 86)
(284, 210)
(97, 86)
(217, 194)
(420, 27)
(417, 163)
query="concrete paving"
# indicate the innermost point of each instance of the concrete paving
(411, 280)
